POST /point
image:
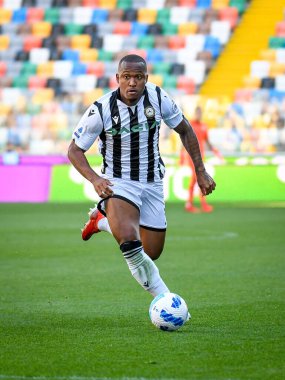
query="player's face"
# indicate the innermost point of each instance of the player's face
(131, 78)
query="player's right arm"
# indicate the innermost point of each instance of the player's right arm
(84, 135)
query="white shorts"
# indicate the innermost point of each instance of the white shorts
(148, 198)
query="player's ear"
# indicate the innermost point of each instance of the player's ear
(117, 78)
(146, 78)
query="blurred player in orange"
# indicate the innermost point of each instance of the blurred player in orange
(201, 131)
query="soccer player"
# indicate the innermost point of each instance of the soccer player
(201, 132)
(132, 208)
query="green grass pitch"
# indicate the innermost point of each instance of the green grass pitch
(70, 310)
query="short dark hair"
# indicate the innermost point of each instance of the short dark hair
(133, 58)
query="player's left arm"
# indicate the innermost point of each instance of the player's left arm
(191, 144)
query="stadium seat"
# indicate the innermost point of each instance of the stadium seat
(42, 29)
(229, 14)
(145, 42)
(115, 15)
(129, 42)
(3, 68)
(70, 55)
(280, 55)
(4, 42)
(169, 82)
(42, 96)
(14, 69)
(19, 15)
(243, 95)
(276, 42)
(280, 83)
(240, 5)
(122, 27)
(105, 28)
(5, 15)
(267, 83)
(113, 43)
(45, 69)
(195, 43)
(276, 68)
(186, 84)
(90, 3)
(221, 30)
(85, 82)
(66, 15)
(138, 28)
(219, 4)
(62, 69)
(68, 84)
(31, 42)
(177, 69)
(79, 68)
(55, 84)
(156, 79)
(36, 82)
(97, 68)
(204, 3)
(99, 16)
(280, 29)
(124, 4)
(179, 15)
(72, 29)
(28, 68)
(251, 82)
(187, 3)
(176, 42)
(213, 45)
(157, 4)
(52, 15)
(34, 15)
(196, 70)
(62, 42)
(90, 96)
(20, 81)
(88, 55)
(12, 4)
(20, 55)
(187, 28)
(82, 41)
(154, 29)
(97, 42)
(105, 56)
(147, 16)
(169, 29)
(163, 15)
(39, 55)
(259, 69)
(162, 68)
(82, 15)
(268, 55)
(161, 42)
(108, 4)
(154, 56)
(130, 15)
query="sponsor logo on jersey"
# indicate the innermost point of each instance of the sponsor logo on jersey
(149, 112)
(142, 127)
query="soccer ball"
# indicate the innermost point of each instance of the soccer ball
(168, 311)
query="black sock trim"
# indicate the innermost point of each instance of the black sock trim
(130, 245)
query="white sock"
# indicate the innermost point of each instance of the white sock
(143, 268)
(103, 225)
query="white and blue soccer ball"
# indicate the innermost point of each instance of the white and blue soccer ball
(168, 312)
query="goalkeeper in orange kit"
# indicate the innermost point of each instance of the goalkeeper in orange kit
(201, 131)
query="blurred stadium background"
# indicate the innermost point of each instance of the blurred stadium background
(58, 56)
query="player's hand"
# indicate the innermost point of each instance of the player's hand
(205, 182)
(102, 187)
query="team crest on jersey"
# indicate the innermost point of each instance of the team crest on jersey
(149, 112)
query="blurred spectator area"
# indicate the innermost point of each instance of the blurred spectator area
(59, 56)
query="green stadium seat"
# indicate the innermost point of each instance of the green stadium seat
(145, 42)
(21, 81)
(239, 4)
(105, 55)
(29, 68)
(276, 42)
(169, 29)
(52, 15)
(163, 15)
(124, 4)
(162, 68)
(169, 81)
(71, 29)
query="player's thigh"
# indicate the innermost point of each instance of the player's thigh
(153, 242)
(123, 218)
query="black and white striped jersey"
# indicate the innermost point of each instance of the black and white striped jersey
(129, 136)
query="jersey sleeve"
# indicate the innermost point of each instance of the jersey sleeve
(171, 114)
(88, 129)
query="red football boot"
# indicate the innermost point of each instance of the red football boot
(91, 227)
(190, 208)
